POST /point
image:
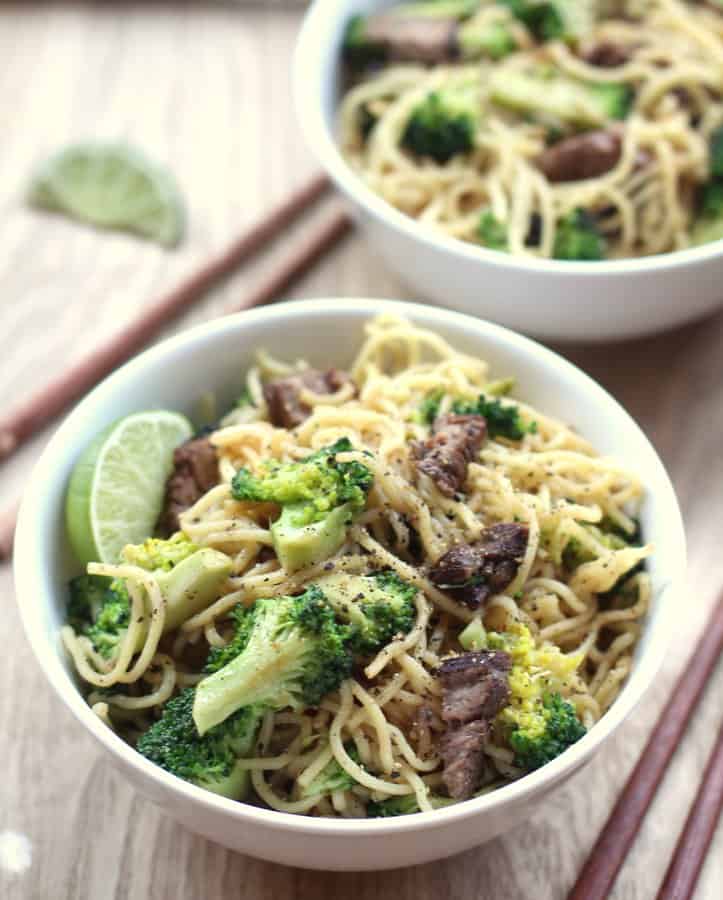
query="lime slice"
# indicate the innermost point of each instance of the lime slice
(116, 489)
(111, 186)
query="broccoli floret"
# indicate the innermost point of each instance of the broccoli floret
(332, 777)
(159, 554)
(287, 651)
(403, 806)
(211, 761)
(550, 730)
(443, 124)
(502, 420)
(436, 9)
(538, 723)
(99, 609)
(576, 553)
(244, 399)
(376, 607)
(491, 232)
(577, 238)
(708, 225)
(545, 94)
(715, 146)
(488, 39)
(319, 497)
(429, 408)
(563, 20)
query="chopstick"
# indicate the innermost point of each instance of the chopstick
(84, 375)
(616, 838)
(27, 418)
(700, 826)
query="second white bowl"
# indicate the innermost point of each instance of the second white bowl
(592, 301)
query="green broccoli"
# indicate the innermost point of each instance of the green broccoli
(244, 399)
(545, 94)
(715, 146)
(159, 554)
(489, 39)
(576, 553)
(436, 9)
(402, 806)
(211, 761)
(443, 124)
(708, 225)
(319, 496)
(99, 609)
(358, 49)
(502, 420)
(554, 20)
(546, 733)
(376, 607)
(332, 777)
(491, 232)
(429, 408)
(577, 238)
(287, 651)
(189, 579)
(537, 722)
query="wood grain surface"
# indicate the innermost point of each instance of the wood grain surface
(206, 89)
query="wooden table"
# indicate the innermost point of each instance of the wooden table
(206, 88)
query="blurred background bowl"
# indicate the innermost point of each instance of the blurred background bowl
(212, 358)
(591, 301)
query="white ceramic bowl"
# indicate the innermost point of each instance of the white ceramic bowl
(547, 298)
(328, 332)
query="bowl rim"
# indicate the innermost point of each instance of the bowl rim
(313, 46)
(30, 587)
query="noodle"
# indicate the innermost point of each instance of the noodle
(382, 728)
(642, 204)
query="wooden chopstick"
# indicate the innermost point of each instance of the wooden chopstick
(616, 838)
(684, 869)
(88, 371)
(23, 421)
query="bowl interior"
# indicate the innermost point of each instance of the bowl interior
(213, 357)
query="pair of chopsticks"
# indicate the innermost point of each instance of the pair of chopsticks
(35, 413)
(608, 854)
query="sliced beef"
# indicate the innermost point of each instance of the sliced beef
(582, 156)
(475, 685)
(455, 442)
(195, 471)
(606, 54)
(414, 39)
(474, 689)
(472, 573)
(283, 397)
(462, 757)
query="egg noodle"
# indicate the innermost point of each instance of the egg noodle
(552, 480)
(643, 205)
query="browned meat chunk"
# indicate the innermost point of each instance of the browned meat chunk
(474, 689)
(582, 156)
(461, 750)
(606, 54)
(455, 442)
(472, 573)
(424, 40)
(283, 397)
(475, 685)
(195, 471)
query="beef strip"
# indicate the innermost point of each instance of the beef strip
(195, 471)
(472, 573)
(455, 442)
(474, 689)
(582, 155)
(283, 397)
(414, 39)
(606, 54)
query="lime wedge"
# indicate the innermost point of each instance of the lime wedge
(116, 489)
(111, 186)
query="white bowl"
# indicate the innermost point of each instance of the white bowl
(328, 332)
(550, 299)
